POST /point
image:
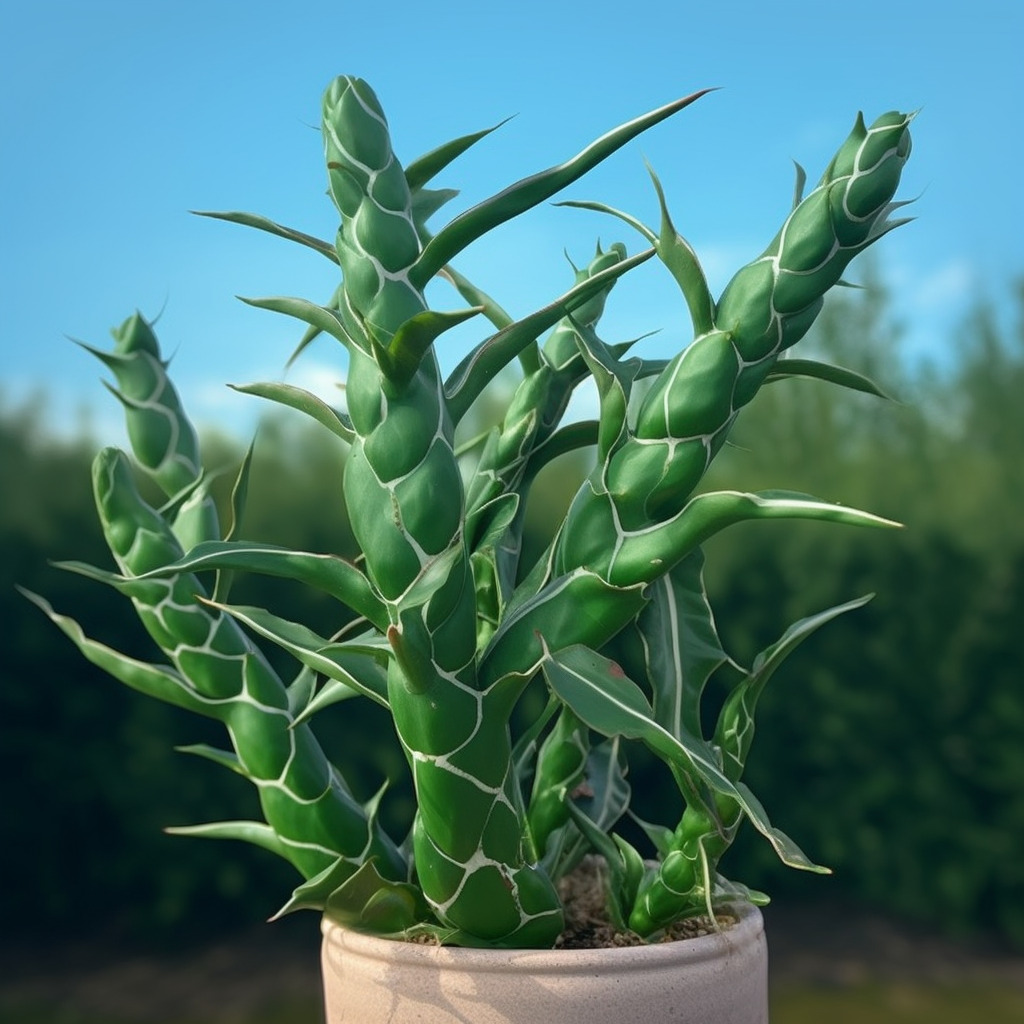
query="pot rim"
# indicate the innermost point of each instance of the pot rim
(748, 930)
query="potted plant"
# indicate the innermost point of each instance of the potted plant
(444, 624)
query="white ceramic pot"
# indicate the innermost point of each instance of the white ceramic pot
(716, 979)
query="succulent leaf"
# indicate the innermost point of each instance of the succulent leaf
(735, 729)
(681, 647)
(158, 681)
(360, 667)
(561, 765)
(601, 694)
(254, 220)
(412, 340)
(529, 192)
(255, 832)
(367, 901)
(426, 167)
(304, 401)
(323, 318)
(239, 497)
(815, 370)
(475, 372)
(225, 758)
(333, 575)
(677, 254)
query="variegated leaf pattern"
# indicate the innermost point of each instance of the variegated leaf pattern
(451, 627)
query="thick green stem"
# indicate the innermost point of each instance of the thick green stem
(304, 799)
(407, 507)
(686, 874)
(684, 419)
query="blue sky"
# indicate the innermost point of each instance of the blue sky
(118, 117)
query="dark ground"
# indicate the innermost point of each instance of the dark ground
(272, 974)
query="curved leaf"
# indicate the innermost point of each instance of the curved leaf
(304, 401)
(644, 554)
(360, 667)
(323, 318)
(366, 901)
(419, 171)
(329, 573)
(584, 204)
(254, 220)
(601, 694)
(477, 298)
(734, 731)
(159, 681)
(255, 832)
(313, 893)
(570, 438)
(486, 525)
(313, 332)
(527, 193)
(239, 497)
(673, 250)
(614, 380)
(815, 370)
(225, 758)
(413, 339)
(478, 369)
(677, 254)
(680, 644)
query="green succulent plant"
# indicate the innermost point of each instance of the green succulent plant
(450, 626)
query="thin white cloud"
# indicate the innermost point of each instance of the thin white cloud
(212, 403)
(930, 303)
(946, 286)
(323, 379)
(721, 261)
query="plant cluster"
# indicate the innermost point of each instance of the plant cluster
(445, 627)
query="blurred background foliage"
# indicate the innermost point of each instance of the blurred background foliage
(891, 745)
